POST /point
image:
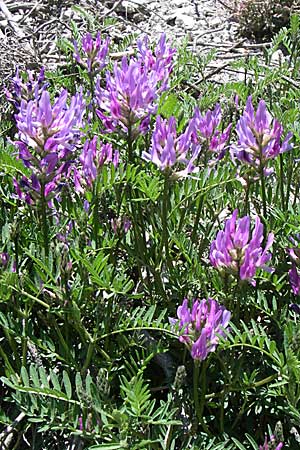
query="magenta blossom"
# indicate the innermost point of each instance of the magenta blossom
(202, 325)
(47, 138)
(94, 155)
(259, 137)
(207, 130)
(294, 278)
(238, 252)
(4, 258)
(93, 52)
(271, 445)
(131, 93)
(158, 64)
(294, 252)
(29, 89)
(169, 151)
(120, 225)
(129, 99)
(45, 128)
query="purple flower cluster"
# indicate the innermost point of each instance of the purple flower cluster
(294, 278)
(29, 89)
(47, 136)
(169, 150)
(92, 158)
(238, 252)
(202, 326)
(4, 258)
(207, 130)
(131, 92)
(120, 225)
(93, 52)
(160, 64)
(259, 137)
(271, 445)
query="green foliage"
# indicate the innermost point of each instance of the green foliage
(263, 18)
(87, 349)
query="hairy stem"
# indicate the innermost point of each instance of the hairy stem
(165, 232)
(45, 230)
(282, 182)
(199, 403)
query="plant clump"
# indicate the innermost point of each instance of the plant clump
(263, 18)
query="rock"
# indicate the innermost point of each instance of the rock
(186, 21)
(277, 57)
(180, 3)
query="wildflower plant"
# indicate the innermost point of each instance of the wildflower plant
(259, 137)
(239, 253)
(169, 150)
(208, 134)
(203, 324)
(117, 203)
(93, 52)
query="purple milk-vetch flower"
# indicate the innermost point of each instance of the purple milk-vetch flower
(132, 90)
(47, 138)
(294, 278)
(171, 152)
(295, 308)
(4, 258)
(29, 89)
(207, 130)
(120, 225)
(158, 64)
(294, 252)
(93, 52)
(129, 98)
(235, 250)
(94, 155)
(201, 326)
(259, 137)
(271, 445)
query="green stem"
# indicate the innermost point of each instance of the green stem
(199, 404)
(129, 144)
(95, 213)
(66, 349)
(263, 190)
(44, 219)
(289, 182)
(282, 182)
(89, 355)
(247, 195)
(199, 210)
(165, 233)
(24, 336)
(161, 330)
(196, 373)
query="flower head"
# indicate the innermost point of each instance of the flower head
(294, 252)
(132, 89)
(4, 258)
(169, 150)
(27, 89)
(237, 251)
(158, 64)
(271, 445)
(202, 326)
(259, 137)
(207, 130)
(94, 155)
(93, 52)
(47, 138)
(294, 278)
